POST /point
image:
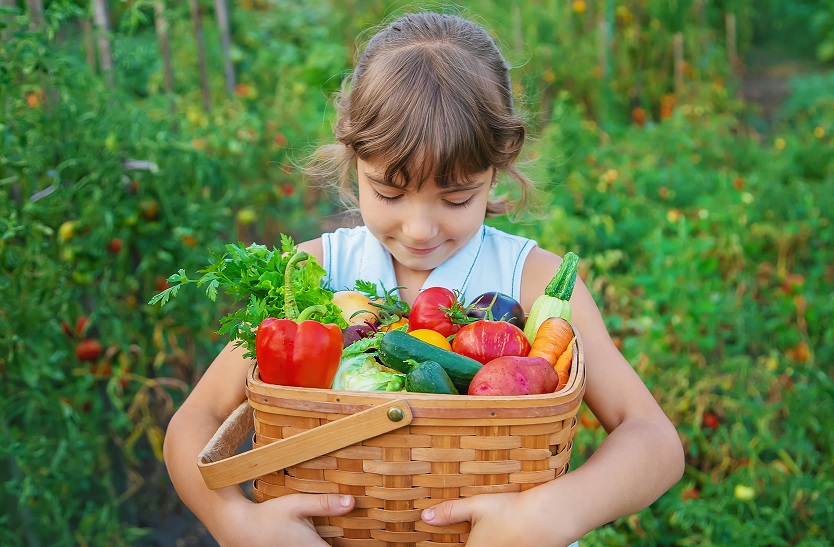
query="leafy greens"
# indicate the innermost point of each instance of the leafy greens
(255, 274)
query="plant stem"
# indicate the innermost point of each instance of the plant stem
(311, 310)
(290, 306)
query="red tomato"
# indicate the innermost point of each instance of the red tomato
(88, 350)
(426, 312)
(487, 340)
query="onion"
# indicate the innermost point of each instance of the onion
(351, 302)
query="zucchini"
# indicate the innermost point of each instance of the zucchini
(430, 377)
(397, 348)
(555, 302)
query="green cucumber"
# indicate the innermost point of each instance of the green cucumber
(430, 377)
(397, 348)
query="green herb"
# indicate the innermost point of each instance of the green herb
(390, 307)
(255, 274)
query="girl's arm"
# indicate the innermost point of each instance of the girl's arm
(639, 460)
(216, 395)
(642, 456)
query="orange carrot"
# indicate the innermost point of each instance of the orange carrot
(552, 339)
(565, 360)
(563, 364)
(563, 380)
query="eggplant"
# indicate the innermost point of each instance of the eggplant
(503, 308)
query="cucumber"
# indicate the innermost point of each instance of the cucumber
(397, 348)
(430, 377)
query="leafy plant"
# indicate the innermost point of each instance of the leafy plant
(257, 274)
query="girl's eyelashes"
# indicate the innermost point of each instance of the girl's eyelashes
(460, 205)
(386, 199)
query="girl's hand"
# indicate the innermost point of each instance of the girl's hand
(500, 520)
(285, 520)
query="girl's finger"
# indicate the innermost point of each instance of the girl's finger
(318, 505)
(448, 512)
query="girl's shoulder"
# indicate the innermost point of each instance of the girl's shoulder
(321, 246)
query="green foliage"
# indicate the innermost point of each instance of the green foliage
(709, 249)
(708, 246)
(805, 26)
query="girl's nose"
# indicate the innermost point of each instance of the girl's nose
(420, 226)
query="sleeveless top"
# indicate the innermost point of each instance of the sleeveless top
(491, 261)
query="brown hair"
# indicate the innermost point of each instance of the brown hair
(431, 93)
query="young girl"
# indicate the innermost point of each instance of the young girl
(425, 127)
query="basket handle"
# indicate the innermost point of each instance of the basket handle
(299, 448)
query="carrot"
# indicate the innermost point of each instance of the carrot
(563, 380)
(552, 339)
(565, 360)
(562, 365)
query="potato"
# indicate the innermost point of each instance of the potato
(351, 302)
(514, 376)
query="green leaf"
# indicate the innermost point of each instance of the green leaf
(287, 244)
(211, 290)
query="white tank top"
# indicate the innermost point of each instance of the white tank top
(491, 261)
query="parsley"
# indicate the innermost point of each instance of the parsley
(255, 275)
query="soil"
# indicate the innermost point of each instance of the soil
(765, 81)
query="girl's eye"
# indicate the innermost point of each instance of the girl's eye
(386, 199)
(459, 205)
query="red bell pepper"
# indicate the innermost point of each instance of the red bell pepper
(297, 351)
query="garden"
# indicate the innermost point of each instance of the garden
(139, 137)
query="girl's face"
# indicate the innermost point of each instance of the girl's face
(424, 228)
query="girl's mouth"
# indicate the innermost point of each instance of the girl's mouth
(421, 252)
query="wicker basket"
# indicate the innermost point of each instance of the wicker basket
(397, 453)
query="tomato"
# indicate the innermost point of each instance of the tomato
(487, 340)
(426, 312)
(81, 325)
(431, 337)
(88, 350)
(115, 245)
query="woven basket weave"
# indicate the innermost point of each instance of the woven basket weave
(396, 452)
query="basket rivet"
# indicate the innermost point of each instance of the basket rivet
(395, 414)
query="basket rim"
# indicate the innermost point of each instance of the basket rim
(262, 394)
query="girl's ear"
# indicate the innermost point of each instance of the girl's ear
(494, 182)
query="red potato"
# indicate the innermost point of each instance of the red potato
(515, 376)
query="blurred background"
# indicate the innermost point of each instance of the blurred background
(684, 149)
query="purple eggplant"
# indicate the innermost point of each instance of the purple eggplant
(497, 306)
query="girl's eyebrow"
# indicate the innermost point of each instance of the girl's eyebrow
(456, 189)
(452, 190)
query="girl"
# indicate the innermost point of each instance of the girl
(425, 127)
